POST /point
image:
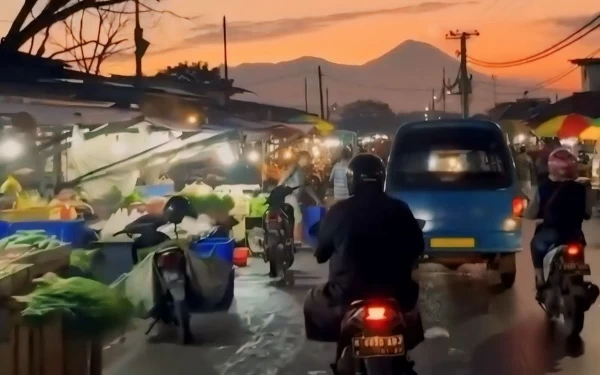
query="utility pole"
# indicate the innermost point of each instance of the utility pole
(494, 88)
(327, 104)
(141, 46)
(321, 91)
(433, 99)
(305, 95)
(444, 89)
(464, 83)
(226, 67)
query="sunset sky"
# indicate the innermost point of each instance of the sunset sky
(354, 32)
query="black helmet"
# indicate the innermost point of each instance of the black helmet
(365, 169)
(177, 208)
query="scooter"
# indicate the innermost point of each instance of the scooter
(170, 263)
(277, 245)
(372, 340)
(566, 293)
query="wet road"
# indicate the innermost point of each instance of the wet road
(478, 330)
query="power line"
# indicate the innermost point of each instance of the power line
(357, 84)
(550, 81)
(546, 52)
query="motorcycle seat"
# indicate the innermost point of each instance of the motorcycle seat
(361, 302)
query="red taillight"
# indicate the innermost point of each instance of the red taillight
(274, 217)
(169, 260)
(518, 206)
(573, 249)
(376, 313)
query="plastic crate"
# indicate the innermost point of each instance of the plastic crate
(28, 214)
(311, 216)
(159, 190)
(220, 246)
(74, 232)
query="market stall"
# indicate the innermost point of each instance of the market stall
(50, 324)
(580, 134)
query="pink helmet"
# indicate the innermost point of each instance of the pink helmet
(562, 165)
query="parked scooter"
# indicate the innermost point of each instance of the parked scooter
(173, 270)
(566, 292)
(278, 246)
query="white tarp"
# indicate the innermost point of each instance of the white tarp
(85, 156)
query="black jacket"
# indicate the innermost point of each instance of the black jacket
(372, 242)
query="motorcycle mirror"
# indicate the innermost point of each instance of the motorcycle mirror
(421, 223)
(314, 229)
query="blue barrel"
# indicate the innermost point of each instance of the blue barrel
(220, 246)
(74, 232)
(311, 215)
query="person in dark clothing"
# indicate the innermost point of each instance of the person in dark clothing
(562, 204)
(372, 243)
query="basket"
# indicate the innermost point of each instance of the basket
(28, 214)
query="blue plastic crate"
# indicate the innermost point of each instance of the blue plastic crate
(311, 216)
(156, 190)
(219, 246)
(74, 232)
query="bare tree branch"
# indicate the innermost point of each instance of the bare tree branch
(92, 37)
(57, 11)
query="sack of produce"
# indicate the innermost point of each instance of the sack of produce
(87, 306)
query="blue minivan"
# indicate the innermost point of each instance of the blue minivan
(460, 178)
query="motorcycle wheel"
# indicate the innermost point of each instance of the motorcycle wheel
(272, 268)
(574, 317)
(182, 314)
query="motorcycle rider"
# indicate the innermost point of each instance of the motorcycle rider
(372, 243)
(562, 204)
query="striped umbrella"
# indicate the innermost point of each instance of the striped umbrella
(569, 126)
(322, 126)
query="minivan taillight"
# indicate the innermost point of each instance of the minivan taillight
(519, 204)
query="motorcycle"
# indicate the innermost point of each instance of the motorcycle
(277, 246)
(566, 293)
(178, 298)
(372, 338)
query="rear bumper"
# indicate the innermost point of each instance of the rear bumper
(486, 244)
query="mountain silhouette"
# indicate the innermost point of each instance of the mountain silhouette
(405, 77)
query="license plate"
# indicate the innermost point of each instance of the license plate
(577, 269)
(172, 276)
(377, 346)
(452, 242)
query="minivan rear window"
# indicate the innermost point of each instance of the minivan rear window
(449, 158)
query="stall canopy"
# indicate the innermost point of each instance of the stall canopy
(585, 104)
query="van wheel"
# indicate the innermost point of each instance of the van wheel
(508, 279)
(507, 268)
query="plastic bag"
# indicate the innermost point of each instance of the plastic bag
(87, 306)
(138, 285)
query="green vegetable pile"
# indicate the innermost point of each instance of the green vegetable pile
(35, 239)
(88, 307)
(258, 205)
(135, 197)
(211, 203)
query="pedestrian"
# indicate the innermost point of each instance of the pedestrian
(295, 176)
(525, 170)
(338, 176)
